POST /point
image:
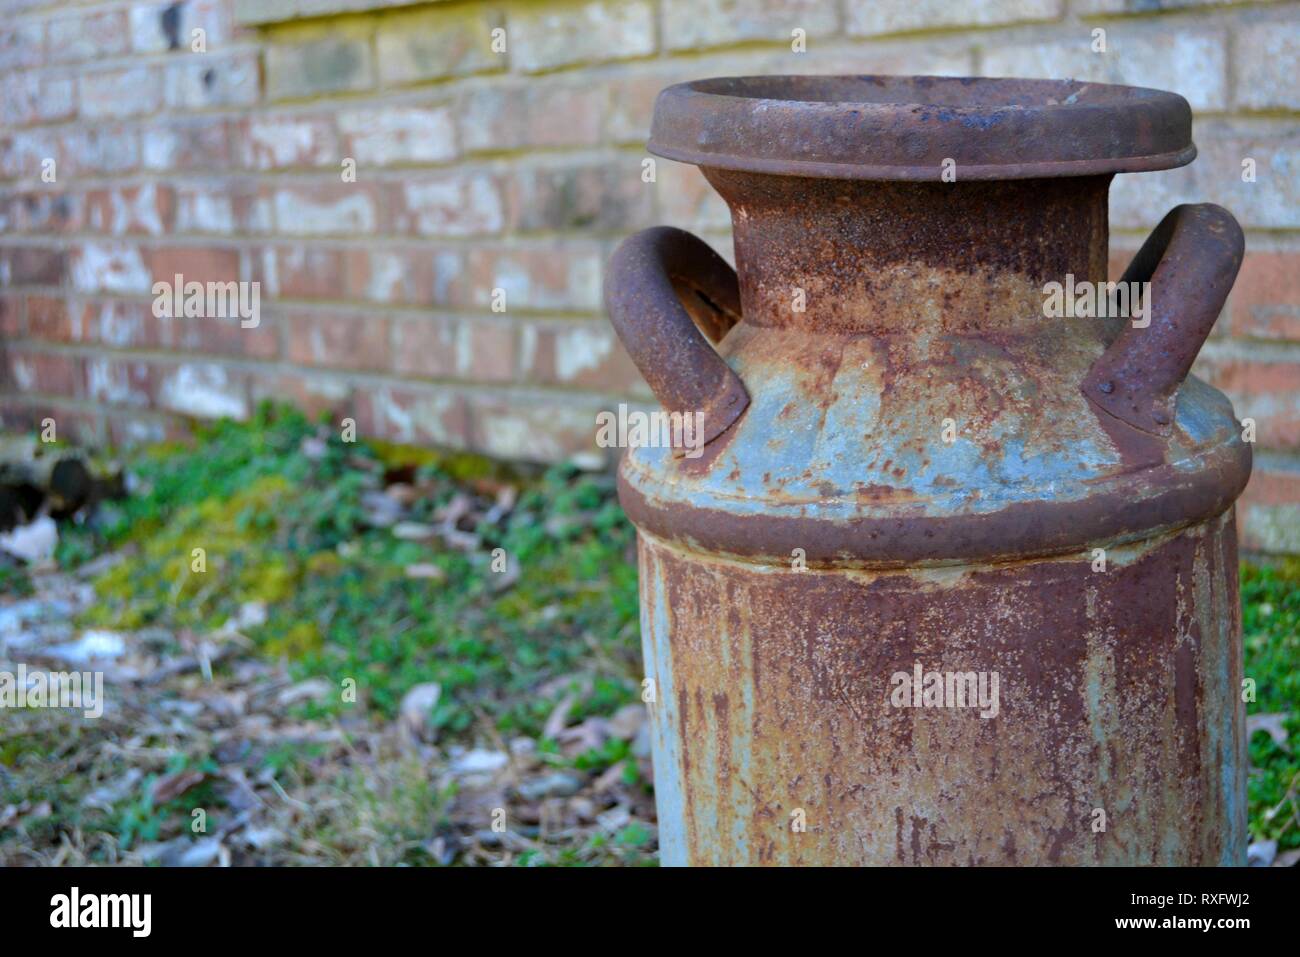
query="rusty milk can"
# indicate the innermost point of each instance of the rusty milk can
(948, 581)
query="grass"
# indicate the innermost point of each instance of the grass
(1271, 626)
(278, 507)
(282, 528)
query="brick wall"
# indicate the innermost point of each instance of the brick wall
(479, 170)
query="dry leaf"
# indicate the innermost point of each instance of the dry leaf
(172, 786)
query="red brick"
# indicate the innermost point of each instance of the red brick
(23, 153)
(195, 263)
(87, 36)
(397, 275)
(433, 43)
(478, 350)
(189, 145)
(1272, 202)
(32, 265)
(158, 26)
(114, 322)
(426, 346)
(22, 43)
(1265, 301)
(148, 210)
(493, 347)
(1255, 376)
(452, 204)
(45, 373)
(686, 26)
(430, 415)
(584, 355)
(19, 94)
(203, 390)
(289, 140)
(222, 336)
(104, 149)
(16, 415)
(47, 318)
(1157, 55)
(99, 209)
(1269, 509)
(58, 99)
(632, 102)
(118, 381)
(1272, 486)
(27, 98)
(47, 212)
(398, 134)
(524, 116)
(110, 267)
(451, 285)
(553, 277)
(333, 209)
(223, 207)
(304, 272)
(112, 94)
(210, 80)
(1267, 63)
(603, 196)
(545, 37)
(687, 200)
(532, 428)
(12, 325)
(352, 341)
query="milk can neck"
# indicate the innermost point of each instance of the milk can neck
(889, 257)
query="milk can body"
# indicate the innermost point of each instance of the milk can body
(940, 576)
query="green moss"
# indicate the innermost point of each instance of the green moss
(286, 529)
(458, 466)
(393, 455)
(206, 561)
(1288, 570)
(296, 640)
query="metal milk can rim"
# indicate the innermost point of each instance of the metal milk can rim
(903, 127)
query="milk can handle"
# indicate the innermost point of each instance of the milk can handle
(1190, 260)
(662, 287)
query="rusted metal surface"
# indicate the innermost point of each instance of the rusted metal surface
(902, 128)
(662, 286)
(924, 302)
(920, 441)
(1190, 260)
(1118, 690)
